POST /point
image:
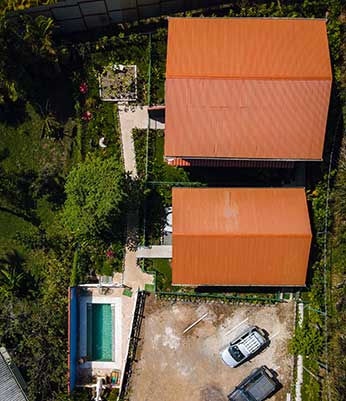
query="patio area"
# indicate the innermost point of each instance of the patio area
(104, 326)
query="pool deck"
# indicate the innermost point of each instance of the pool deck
(123, 314)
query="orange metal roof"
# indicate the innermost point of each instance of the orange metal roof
(246, 119)
(240, 236)
(247, 88)
(256, 48)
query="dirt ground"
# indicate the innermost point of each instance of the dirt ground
(173, 366)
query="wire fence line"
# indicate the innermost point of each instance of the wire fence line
(133, 345)
(147, 142)
(148, 101)
(325, 257)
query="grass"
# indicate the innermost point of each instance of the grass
(311, 386)
(127, 292)
(163, 270)
(24, 149)
(158, 169)
(78, 155)
(158, 67)
(157, 197)
(149, 287)
(11, 227)
(102, 124)
(163, 274)
(31, 169)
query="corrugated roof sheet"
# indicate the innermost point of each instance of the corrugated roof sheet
(240, 236)
(247, 88)
(10, 389)
(246, 118)
(256, 48)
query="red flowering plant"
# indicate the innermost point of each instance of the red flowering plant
(87, 116)
(110, 254)
(83, 88)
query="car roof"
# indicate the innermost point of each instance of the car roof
(238, 396)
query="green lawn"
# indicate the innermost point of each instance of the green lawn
(158, 195)
(104, 123)
(163, 270)
(11, 227)
(24, 148)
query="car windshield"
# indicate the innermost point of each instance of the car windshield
(236, 354)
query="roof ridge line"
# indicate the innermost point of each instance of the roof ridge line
(251, 18)
(244, 234)
(239, 78)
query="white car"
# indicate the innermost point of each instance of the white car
(244, 346)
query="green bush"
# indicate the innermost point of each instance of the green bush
(95, 194)
(307, 341)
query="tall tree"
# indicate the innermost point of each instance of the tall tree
(95, 195)
(28, 52)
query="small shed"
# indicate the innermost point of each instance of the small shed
(12, 384)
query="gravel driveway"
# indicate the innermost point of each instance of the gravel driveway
(173, 366)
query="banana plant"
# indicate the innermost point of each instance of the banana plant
(11, 273)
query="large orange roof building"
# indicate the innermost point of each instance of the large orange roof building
(246, 89)
(240, 236)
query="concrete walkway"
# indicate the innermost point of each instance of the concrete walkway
(134, 277)
(155, 252)
(132, 117)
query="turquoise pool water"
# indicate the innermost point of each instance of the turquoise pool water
(100, 332)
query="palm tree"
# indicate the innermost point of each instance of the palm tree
(50, 125)
(11, 273)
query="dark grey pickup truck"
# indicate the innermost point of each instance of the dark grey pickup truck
(258, 386)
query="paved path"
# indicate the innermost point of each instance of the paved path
(132, 117)
(134, 277)
(155, 252)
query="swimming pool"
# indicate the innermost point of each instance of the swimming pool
(100, 332)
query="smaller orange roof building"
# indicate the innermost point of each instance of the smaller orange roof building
(240, 236)
(246, 89)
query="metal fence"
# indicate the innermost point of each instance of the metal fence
(134, 339)
(84, 15)
(209, 297)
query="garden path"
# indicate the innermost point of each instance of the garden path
(132, 117)
(155, 252)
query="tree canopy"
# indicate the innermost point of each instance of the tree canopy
(28, 54)
(95, 194)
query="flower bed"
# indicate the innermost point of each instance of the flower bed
(118, 83)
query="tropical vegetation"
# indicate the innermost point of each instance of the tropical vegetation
(63, 197)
